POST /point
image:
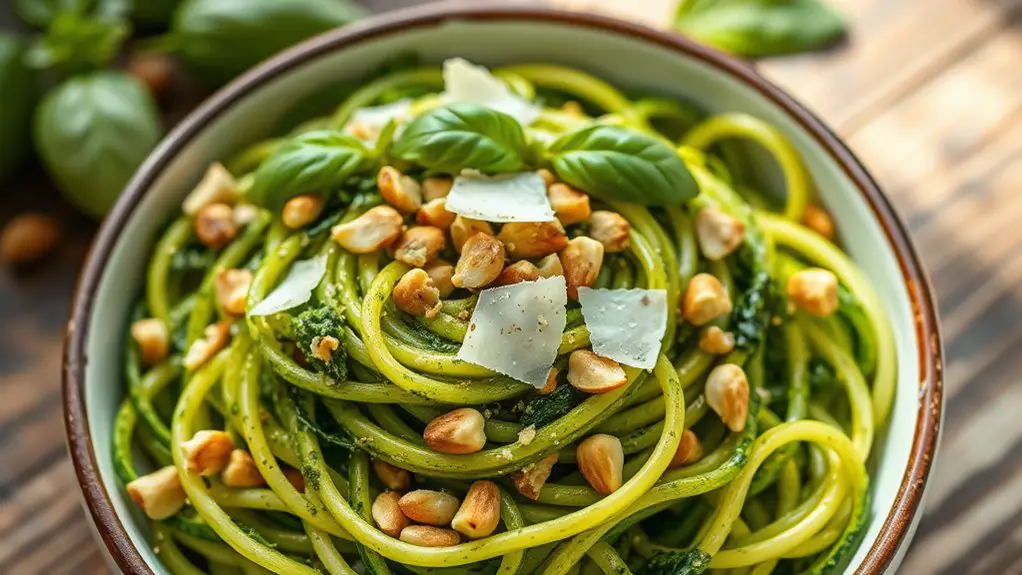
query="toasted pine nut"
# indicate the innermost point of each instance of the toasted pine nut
(207, 452)
(528, 240)
(601, 461)
(215, 338)
(573, 108)
(295, 478)
(592, 373)
(551, 383)
(241, 471)
(433, 188)
(463, 228)
(441, 273)
(434, 213)
(550, 266)
(387, 513)
(429, 536)
(581, 261)
(457, 432)
(217, 186)
(718, 233)
(159, 493)
(814, 290)
(416, 294)
(611, 230)
(400, 191)
(376, 229)
(570, 205)
(153, 340)
(419, 245)
(479, 513)
(817, 219)
(727, 393)
(214, 225)
(716, 341)
(689, 450)
(705, 300)
(429, 507)
(232, 290)
(481, 261)
(549, 178)
(518, 272)
(301, 211)
(323, 348)
(530, 479)
(391, 476)
(28, 237)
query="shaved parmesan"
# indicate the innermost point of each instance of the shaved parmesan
(505, 198)
(471, 84)
(296, 288)
(367, 123)
(625, 325)
(516, 330)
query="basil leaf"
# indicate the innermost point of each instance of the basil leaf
(459, 136)
(762, 28)
(17, 98)
(311, 163)
(92, 132)
(77, 42)
(615, 163)
(41, 12)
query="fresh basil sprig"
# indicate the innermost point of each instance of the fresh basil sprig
(615, 163)
(459, 136)
(311, 163)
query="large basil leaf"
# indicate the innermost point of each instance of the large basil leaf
(312, 163)
(17, 97)
(219, 39)
(92, 132)
(615, 163)
(761, 27)
(459, 136)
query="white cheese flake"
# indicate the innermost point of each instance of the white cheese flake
(367, 123)
(505, 198)
(516, 330)
(296, 288)
(625, 325)
(465, 82)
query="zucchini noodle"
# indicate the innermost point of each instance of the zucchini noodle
(314, 412)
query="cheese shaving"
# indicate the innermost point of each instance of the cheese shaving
(506, 198)
(626, 325)
(465, 82)
(296, 288)
(367, 123)
(516, 330)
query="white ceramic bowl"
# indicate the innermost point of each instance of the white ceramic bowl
(624, 54)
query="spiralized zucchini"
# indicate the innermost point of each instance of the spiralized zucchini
(329, 403)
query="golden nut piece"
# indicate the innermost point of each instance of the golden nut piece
(232, 290)
(570, 205)
(463, 228)
(517, 272)
(549, 178)
(215, 226)
(719, 234)
(152, 339)
(434, 213)
(481, 261)
(458, 432)
(215, 338)
(28, 237)
(529, 240)
(387, 513)
(727, 393)
(818, 220)
(376, 229)
(601, 461)
(550, 266)
(689, 450)
(441, 273)
(716, 341)
(581, 261)
(295, 478)
(435, 188)
(301, 211)
(241, 471)
(705, 300)
(611, 230)
(530, 479)
(592, 373)
(207, 452)
(400, 191)
(216, 187)
(392, 476)
(479, 513)
(159, 493)
(814, 290)
(429, 507)
(419, 245)
(429, 536)
(416, 294)
(323, 347)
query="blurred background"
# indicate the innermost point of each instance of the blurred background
(927, 92)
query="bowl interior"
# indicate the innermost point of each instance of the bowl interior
(622, 59)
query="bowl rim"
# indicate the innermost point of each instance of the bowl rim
(903, 514)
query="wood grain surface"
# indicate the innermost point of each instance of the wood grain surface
(927, 92)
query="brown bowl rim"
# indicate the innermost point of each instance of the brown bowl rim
(901, 518)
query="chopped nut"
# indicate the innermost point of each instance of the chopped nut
(572, 108)
(719, 234)
(214, 225)
(458, 432)
(689, 450)
(429, 507)
(526, 435)
(416, 294)
(301, 211)
(295, 478)
(581, 261)
(601, 460)
(391, 476)
(153, 340)
(479, 514)
(323, 348)
(207, 452)
(528, 240)
(387, 513)
(420, 245)
(611, 230)
(530, 479)
(463, 228)
(517, 272)
(549, 178)
(705, 300)
(241, 471)
(214, 339)
(481, 261)
(441, 273)
(216, 187)
(814, 290)
(28, 237)
(232, 290)
(727, 393)
(244, 214)
(376, 229)
(570, 205)
(400, 191)
(592, 373)
(716, 341)
(159, 493)
(551, 383)
(434, 213)
(817, 219)
(433, 188)
(429, 536)
(550, 266)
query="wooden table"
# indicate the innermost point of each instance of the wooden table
(928, 92)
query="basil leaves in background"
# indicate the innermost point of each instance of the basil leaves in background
(615, 163)
(311, 163)
(92, 132)
(17, 98)
(458, 136)
(78, 42)
(756, 28)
